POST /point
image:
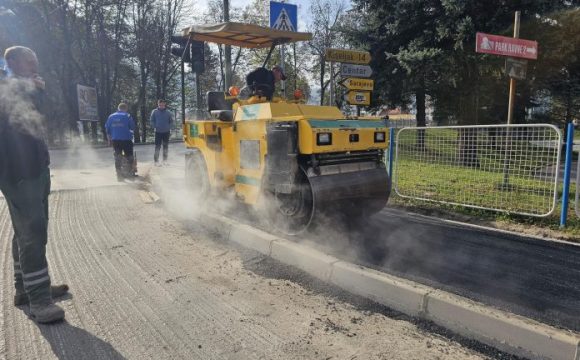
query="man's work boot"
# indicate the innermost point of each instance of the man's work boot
(56, 291)
(46, 313)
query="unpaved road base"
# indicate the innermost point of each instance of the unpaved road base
(146, 286)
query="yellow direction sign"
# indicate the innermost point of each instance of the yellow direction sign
(358, 84)
(348, 56)
(358, 97)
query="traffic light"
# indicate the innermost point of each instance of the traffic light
(193, 54)
(198, 56)
(179, 48)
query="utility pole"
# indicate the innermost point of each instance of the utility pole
(283, 64)
(505, 185)
(182, 91)
(512, 80)
(331, 100)
(228, 50)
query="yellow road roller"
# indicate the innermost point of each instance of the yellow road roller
(295, 163)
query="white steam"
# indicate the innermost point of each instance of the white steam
(18, 107)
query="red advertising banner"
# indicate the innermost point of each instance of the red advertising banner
(506, 46)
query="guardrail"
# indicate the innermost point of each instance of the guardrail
(498, 167)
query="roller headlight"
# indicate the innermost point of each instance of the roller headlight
(380, 137)
(323, 139)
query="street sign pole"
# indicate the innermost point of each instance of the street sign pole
(183, 92)
(506, 163)
(282, 62)
(331, 83)
(228, 51)
(512, 80)
(295, 68)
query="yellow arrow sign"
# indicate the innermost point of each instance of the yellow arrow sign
(358, 97)
(348, 56)
(358, 84)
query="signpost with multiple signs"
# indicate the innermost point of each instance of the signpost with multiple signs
(355, 70)
(517, 50)
(513, 48)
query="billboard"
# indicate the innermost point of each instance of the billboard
(87, 100)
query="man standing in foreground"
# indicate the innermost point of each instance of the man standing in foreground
(120, 127)
(161, 120)
(25, 183)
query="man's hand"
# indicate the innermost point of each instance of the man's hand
(39, 82)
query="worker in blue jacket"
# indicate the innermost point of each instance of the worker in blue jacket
(120, 127)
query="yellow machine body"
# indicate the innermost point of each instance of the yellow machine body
(235, 152)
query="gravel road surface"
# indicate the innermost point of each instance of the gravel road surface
(147, 286)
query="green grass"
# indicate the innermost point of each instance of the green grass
(435, 173)
(455, 184)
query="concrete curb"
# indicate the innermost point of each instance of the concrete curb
(505, 331)
(508, 332)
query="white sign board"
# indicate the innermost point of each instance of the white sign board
(87, 101)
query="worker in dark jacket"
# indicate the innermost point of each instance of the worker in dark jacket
(120, 127)
(25, 183)
(161, 120)
(263, 81)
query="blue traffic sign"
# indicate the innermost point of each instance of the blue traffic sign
(283, 16)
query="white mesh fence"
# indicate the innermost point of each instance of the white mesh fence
(504, 168)
(401, 123)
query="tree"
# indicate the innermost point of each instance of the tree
(326, 17)
(432, 41)
(556, 74)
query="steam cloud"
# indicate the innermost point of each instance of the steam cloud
(18, 109)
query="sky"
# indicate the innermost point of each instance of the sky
(304, 18)
(303, 5)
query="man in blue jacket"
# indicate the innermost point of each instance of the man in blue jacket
(25, 183)
(161, 120)
(120, 127)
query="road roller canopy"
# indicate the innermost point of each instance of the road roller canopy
(243, 35)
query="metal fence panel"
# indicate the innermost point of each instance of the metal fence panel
(498, 167)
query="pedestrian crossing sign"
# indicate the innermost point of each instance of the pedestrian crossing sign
(283, 16)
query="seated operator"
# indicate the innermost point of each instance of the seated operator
(263, 81)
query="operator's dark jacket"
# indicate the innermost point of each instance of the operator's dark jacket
(262, 76)
(23, 151)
